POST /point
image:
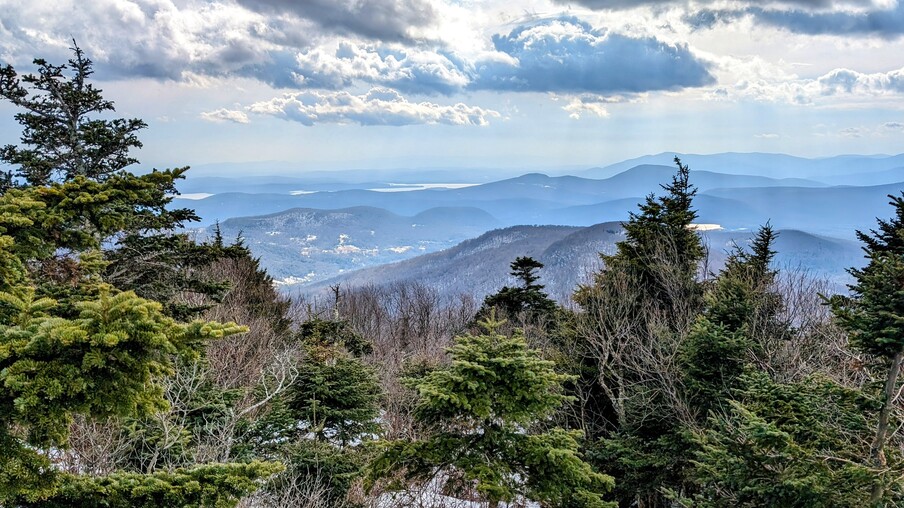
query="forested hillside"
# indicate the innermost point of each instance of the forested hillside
(141, 368)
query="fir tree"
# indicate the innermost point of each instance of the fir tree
(61, 139)
(874, 316)
(528, 297)
(482, 415)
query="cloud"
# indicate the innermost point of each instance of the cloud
(157, 39)
(630, 4)
(893, 125)
(379, 106)
(766, 135)
(567, 55)
(556, 55)
(225, 115)
(881, 21)
(387, 20)
(594, 105)
(405, 69)
(838, 83)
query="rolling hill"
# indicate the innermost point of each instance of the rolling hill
(480, 266)
(303, 244)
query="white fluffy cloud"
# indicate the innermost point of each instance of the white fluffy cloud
(406, 69)
(379, 106)
(225, 115)
(161, 39)
(839, 84)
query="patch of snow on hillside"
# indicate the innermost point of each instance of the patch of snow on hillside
(400, 250)
(301, 192)
(273, 233)
(292, 280)
(347, 249)
(706, 227)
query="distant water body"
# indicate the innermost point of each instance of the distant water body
(405, 187)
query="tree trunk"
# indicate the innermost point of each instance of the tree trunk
(877, 450)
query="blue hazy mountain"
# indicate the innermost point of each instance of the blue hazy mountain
(522, 200)
(307, 228)
(480, 266)
(831, 210)
(843, 169)
(305, 245)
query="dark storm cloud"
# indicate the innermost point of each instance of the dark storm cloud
(386, 20)
(630, 4)
(569, 56)
(885, 23)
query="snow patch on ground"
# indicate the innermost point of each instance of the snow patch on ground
(706, 227)
(292, 280)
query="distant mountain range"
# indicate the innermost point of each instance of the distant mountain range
(481, 266)
(303, 245)
(312, 227)
(540, 199)
(838, 170)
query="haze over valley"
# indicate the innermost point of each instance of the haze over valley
(311, 232)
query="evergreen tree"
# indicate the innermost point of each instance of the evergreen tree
(661, 250)
(336, 397)
(799, 444)
(481, 416)
(636, 314)
(320, 425)
(102, 363)
(740, 306)
(874, 317)
(216, 486)
(70, 343)
(61, 139)
(528, 297)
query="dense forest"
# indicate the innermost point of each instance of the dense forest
(142, 368)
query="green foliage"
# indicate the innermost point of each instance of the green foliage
(321, 468)
(70, 343)
(318, 334)
(740, 306)
(165, 267)
(481, 414)
(874, 317)
(713, 356)
(529, 297)
(638, 309)
(661, 249)
(874, 313)
(336, 398)
(62, 141)
(212, 485)
(796, 445)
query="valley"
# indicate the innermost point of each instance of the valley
(311, 231)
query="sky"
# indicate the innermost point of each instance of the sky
(333, 84)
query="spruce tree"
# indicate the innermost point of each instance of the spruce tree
(62, 138)
(873, 315)
(70, 342)
(740, 306)
(528, 297)
(636, 313)
(483, 418)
